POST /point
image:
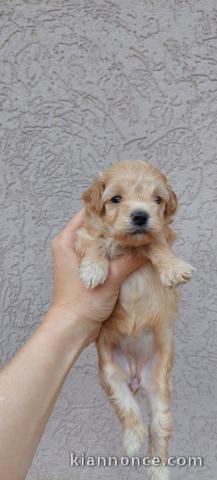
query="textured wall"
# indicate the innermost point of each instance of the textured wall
(83, 84)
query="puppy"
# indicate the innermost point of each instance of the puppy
(129, 208)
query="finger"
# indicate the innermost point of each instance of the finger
(76, 221)
(68, 233)
(121, 267)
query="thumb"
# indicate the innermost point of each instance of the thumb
(121, 267)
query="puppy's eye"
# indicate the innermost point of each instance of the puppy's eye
(116, 199)
(158, 200)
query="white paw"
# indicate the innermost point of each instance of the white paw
(158, 473)
(134, 438)
(93, 273)
(175, 274)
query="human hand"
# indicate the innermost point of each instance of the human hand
(89, 307)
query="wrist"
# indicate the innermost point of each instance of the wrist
(71, 331)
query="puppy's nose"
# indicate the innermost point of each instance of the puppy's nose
(140, 218)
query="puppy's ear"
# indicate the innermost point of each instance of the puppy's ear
(93, 195)
(172, 204)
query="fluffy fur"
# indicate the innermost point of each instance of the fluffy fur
(135, 345)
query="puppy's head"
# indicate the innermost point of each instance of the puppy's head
(131, 202)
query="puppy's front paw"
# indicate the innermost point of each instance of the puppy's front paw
(176, 273)
(93, 272)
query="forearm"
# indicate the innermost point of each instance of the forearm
(29, 386)
(30, 383)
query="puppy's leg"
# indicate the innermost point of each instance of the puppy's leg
(94, 263)
(125, 406)
(115, 383)
(159, 430)
(172, 269)
(157, 385)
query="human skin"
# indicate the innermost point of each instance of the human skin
(30, 383)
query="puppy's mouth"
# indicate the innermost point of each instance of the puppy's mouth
(135, 237)
(139, 231)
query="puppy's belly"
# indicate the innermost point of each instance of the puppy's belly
(147, 303)
(136, 356)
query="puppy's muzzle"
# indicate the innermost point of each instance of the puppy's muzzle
(139, 220)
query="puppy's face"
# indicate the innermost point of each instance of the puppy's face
(131, 202)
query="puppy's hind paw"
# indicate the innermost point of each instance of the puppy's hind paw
(93, 273)
(175, 274)
(134, 438)
(158, 473)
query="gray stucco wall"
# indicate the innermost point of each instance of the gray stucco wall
(82, 85)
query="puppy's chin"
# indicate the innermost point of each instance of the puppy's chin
(133, 239)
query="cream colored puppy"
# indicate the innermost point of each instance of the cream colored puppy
(129, 208)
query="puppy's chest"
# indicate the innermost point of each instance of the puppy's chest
(143, 296)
